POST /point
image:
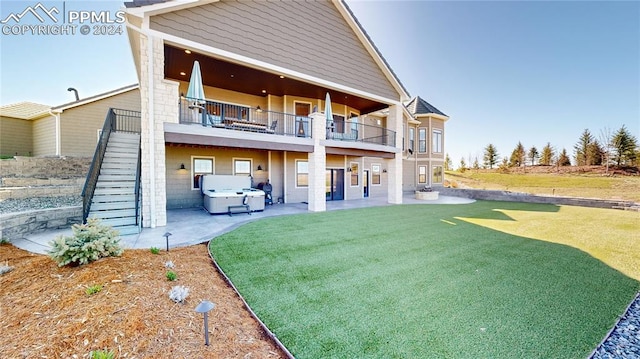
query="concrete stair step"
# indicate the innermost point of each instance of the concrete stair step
(119, 165)
(123, 221)
(104, 206)
(115, 184)
(113, 213)
(117, 171)
(113, 198)
(124, 136)
(117, 152)
(113, 191)
(117, 177)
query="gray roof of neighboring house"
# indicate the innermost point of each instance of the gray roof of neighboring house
(139, 3)
(418, 106)
(25, 110)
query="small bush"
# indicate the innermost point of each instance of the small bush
(179, 293)
(93, 289)
(4, 241)
(155, 250)
(89, 242)
(169, 265)
(171, 275)
(102, 354)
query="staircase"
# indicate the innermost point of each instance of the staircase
(114, 199)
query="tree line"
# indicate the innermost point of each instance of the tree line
(618, 148)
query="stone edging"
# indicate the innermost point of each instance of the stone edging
(18, 225)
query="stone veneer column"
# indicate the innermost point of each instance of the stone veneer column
(164, 95)
(394, 165)
(317, 164)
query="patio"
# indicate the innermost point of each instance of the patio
(191, 226)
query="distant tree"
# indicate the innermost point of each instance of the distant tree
(517, 156)
(463, 165)
(625, 145)
(546, 157)
(490, 155)
(583, 150)
(533, 155)
(476, 164)
(606, 140)
(563, 158)
(447, 163)
(595, 153)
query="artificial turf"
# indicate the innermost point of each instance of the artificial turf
(423, 281)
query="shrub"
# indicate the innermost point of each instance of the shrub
(89, 242)
(179, 293)
(4, 241)
(155, 250)
(102, 354)
(93, 289)
(171, 275)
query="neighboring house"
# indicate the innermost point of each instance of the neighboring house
(266, 68)
(29, 129)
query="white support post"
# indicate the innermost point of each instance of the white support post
(394, 165)
(317, 165)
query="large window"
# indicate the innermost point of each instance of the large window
(200, 166)
(412, 137)
(437, 174)
(302, 173)
(353, 168)
(437, 141)
(422, 140)
(375, 174)
(241, 167)
(422, 174)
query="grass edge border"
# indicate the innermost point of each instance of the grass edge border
(264, 327)
(615, 325)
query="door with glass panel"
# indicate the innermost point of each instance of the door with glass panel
(335, 184)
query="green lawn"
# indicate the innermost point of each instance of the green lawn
(572, 185)
(435, 281)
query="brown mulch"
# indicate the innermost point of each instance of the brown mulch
(45, 312)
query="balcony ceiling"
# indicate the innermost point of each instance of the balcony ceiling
(234, 77)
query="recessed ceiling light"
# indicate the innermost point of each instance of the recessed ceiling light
(281, 76)
(264, 91)
(187, 51)
(232, 75)
(182, 73)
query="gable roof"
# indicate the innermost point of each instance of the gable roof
(25, 110)
(98, 97)
(418, 106)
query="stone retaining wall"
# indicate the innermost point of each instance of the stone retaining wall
(45, 167)
(18, 225)
(491, 195)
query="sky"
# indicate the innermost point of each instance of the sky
(503, 71)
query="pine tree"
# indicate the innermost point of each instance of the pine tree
(533, 155)
(463, 165)
(546, 158)
(447, 163)
(476, 164)
(563, 158)
(581, 150)
(517, 156)
(625, 145)
(490, 155)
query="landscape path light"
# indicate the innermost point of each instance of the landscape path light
(166, 236)
(204, 307)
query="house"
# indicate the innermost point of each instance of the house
(71, 129)
(267, 68)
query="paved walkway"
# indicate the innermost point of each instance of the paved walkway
(195, 225)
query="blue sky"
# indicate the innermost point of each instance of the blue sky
(504, 71)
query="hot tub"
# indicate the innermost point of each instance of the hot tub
(219, 193)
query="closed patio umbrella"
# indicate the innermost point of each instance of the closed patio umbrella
(195, 92)
(328, 114)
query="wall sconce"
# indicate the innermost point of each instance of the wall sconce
(259, 167)
(348, 169)
(258, 109)
(384, 170)
(182, 167)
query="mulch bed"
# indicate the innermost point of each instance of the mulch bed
(45, 312)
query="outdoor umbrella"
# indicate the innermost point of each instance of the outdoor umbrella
(328, 114)
(195, 92)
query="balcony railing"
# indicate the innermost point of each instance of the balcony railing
(242, 118)
(355, 131)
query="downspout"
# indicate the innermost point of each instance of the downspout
(58, 139)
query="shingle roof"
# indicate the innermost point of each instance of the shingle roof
(24, 110)
(95, 97)
(418, 106)
(139, 3)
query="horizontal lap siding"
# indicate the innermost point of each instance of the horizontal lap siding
(15, 137)
(308, 37)
(44, 136)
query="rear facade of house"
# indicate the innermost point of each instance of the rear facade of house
(267, 68)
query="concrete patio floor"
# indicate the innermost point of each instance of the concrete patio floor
(191, 226)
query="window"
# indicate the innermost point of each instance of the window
(302, 173)
(437, 174)
(412, 136)
(200, 166)
(422, 174)
(242, 167)
(422, 140)
(436, 141)
(354, 174)
(375, 174)
(338, 123)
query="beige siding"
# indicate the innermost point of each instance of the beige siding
(308, 37)
(381, 189)
(409, 175)
(353, 192)
(293, 194)
(15, 137)
(79, 125)
(44, 136)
